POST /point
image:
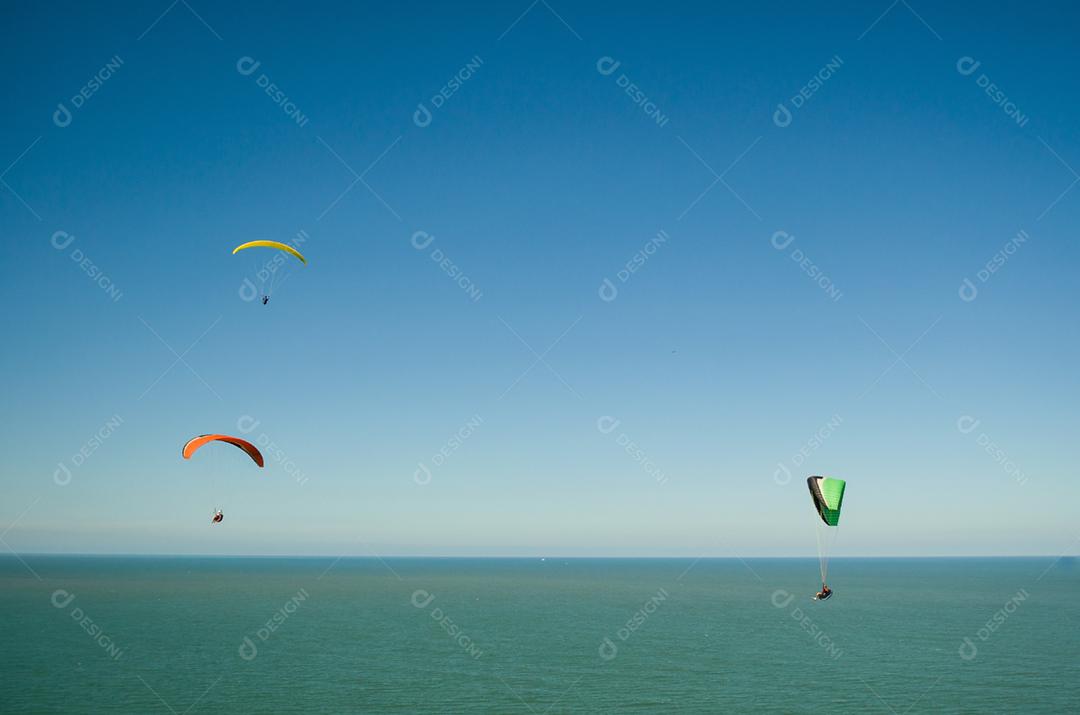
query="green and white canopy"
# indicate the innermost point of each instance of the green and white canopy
(828, 495)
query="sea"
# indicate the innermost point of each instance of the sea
(184, 635)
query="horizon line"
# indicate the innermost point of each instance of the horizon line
(530, 557)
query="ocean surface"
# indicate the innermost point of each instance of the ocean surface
(291, 635)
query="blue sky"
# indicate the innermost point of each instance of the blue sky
(803, 307)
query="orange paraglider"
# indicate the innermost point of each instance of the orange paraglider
(193, 445)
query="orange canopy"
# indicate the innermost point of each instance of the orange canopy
(194, 444)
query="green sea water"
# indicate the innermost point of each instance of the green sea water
(279, 635)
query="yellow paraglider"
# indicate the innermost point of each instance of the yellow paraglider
(271, 244)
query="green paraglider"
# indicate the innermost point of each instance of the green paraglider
(828, 496)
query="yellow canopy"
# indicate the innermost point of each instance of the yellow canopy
(271, 244)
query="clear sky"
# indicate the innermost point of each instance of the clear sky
(809, 187)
